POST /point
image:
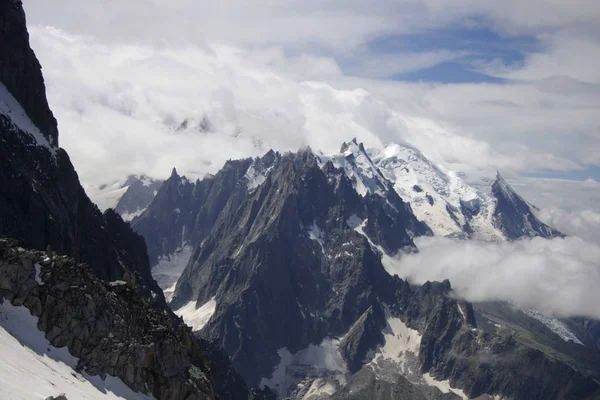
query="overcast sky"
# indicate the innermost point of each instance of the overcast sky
(477, 86)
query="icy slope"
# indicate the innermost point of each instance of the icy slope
(438, 197)
(31, 368)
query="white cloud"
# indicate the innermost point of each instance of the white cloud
(117, 106)
(563, 54)
(558, 276)
(336, 24)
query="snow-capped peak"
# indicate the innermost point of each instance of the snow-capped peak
(356, 163)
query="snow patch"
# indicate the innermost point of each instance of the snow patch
(444, 386)
(197, 317)
(462, 312)
(390, 264)
(359, 168)
(318, 389)
(127, 217)
(32, 368)
(401, 345)
(315, 233)
(38, 274)
(255, 177)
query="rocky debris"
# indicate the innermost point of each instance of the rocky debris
(59, 397)
(21, 72)
(108, 326)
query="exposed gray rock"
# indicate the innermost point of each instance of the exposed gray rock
(108, 326)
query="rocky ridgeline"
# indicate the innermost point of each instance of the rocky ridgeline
(107, 325)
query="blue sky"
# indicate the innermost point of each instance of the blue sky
(480, 45)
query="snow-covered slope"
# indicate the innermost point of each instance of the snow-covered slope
(437, 196)
(358, 166)
(10, 107)
(129, 197)
(31, 368)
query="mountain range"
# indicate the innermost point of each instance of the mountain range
(283, 260)
(270, 279)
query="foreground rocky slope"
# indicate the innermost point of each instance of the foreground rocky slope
(107, 325)
(113, 330)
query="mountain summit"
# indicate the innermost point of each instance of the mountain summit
(283, 260)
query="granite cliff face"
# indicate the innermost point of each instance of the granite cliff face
(291, 281)
(514, 216)
(21, 72)
(44, 203)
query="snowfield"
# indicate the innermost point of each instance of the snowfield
(31, 368)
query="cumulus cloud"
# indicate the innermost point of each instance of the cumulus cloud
(558, 277)
(119, 105)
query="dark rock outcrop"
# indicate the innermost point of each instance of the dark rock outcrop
(108, 326)
(185, 212)
(514, 216)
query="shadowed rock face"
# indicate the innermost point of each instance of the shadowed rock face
(42, 202)
(514, 216)
(20, 71)
(295, 260)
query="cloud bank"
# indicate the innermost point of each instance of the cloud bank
(119, 106)
(558, 277)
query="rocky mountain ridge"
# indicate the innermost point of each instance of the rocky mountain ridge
(289, 278)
